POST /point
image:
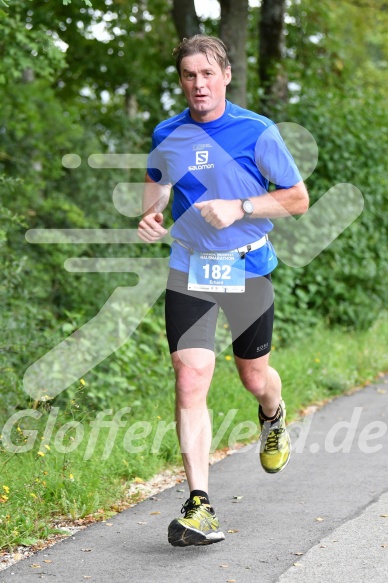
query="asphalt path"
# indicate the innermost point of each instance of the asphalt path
(324, 519)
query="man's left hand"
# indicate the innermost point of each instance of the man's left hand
(220, 213)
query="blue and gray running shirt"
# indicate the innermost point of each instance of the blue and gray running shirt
(235, 156)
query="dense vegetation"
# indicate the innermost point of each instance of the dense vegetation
(103, 91)
(80, 79)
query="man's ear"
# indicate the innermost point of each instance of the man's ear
(228, 75)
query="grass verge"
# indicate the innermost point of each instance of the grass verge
(78, 462)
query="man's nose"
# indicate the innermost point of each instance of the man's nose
(199, 81)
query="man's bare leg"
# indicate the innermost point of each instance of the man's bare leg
(194, 369)
(262, 381)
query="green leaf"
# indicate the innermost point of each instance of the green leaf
(28, 541)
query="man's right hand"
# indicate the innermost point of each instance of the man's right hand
(151, 228)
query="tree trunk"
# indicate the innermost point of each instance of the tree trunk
(131, 105)
(185, 18)
(233, 32)
(28, 75)
(271, 52)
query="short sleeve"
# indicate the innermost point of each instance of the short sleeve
(274, 160)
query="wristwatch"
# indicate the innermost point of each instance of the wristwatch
(247, 207)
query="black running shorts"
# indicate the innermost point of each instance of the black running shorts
(191, 316)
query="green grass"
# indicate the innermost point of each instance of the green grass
(36, 490)
(325, 364)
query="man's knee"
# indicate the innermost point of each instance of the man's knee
(189, 380)
(193, 372)
(255, 382)
(254, 374)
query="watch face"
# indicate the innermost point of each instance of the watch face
(247, 207)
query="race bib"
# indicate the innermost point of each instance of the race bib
(217, 271)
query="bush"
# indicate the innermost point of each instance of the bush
(346, 283)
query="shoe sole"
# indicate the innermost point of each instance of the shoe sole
(181, 536)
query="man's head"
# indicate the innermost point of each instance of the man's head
(204, 73)
(210, 46)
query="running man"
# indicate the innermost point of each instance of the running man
(219, 160)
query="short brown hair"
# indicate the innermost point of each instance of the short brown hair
(202, 43)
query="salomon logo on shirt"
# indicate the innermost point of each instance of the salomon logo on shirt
(201, 161)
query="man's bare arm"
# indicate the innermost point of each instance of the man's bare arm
(155, 200)
(155, 196)
(280, 203)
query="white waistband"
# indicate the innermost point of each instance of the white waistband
(242, 250)
(253, 246)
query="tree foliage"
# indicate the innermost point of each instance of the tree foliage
(84, 79)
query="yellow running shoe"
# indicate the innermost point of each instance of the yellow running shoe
(199, 526)
(275, 449)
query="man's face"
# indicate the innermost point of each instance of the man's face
(204, 85)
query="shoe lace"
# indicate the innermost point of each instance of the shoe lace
(189, 508)
(272, 441)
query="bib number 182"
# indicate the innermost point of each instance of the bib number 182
(217, 271)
